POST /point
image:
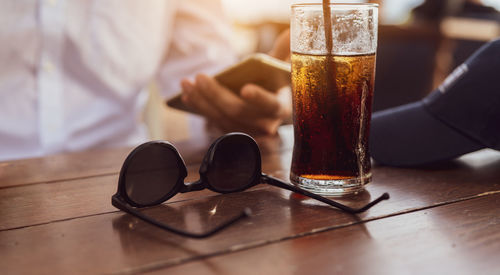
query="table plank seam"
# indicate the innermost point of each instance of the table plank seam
(75, 178)
(56, 221)
(58, 180)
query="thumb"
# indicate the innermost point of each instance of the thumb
(265, 102)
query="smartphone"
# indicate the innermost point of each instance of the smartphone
(260, 69)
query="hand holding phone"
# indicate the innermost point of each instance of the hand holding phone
(260, 69)
(251, 108)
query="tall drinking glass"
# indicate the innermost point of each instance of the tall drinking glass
(333, 76)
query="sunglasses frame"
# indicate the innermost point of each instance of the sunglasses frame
(122, 201)
(180, 186)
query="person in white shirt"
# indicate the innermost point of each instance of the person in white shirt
(73, 73)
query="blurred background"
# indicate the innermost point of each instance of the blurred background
(420, 42)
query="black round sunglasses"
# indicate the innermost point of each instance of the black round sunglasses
(154, 172)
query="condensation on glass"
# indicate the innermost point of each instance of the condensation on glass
(333, 75)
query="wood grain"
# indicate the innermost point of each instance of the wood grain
(116, 241)
(61, 167)
(66, 224)
(409, 188)
(27, 205)
(460, 238)
(106, 162)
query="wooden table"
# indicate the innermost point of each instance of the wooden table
(56, 217)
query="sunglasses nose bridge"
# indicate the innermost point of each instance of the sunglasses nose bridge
(194, 186)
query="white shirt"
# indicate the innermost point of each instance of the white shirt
(72, 72)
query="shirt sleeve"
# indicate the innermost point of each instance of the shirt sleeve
(200, 43)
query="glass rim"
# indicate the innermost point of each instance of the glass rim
(344, 5)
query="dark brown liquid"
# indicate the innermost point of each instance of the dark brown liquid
(332, 111)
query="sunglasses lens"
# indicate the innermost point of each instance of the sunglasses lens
(152, 173)
(235, 164)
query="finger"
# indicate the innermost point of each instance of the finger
(235, 114)
(226, 101)
(192, 98)
(266, 102)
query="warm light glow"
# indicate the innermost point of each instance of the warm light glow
(244, 11)
(213, 210)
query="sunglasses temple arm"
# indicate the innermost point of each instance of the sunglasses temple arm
(120, 204)
(279, 183)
